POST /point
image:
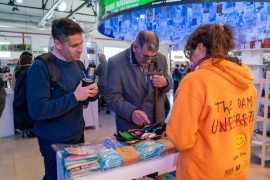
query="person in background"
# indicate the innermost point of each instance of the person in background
(176, 77)
(25, 63)
(182, 71)
(13, 81)
(3, 95)
(101, 72)
(129, 91)
(59, 114)
(212, 118)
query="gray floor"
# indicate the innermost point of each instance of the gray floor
(21, 160)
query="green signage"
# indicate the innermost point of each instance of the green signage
(118, 5)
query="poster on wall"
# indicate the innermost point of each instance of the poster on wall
(174, 21)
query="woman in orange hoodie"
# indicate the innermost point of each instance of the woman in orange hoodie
(212, 118)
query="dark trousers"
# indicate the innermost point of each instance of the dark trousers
(49, 156)
(101, 99)
(175, 86)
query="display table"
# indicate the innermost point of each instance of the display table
(7, 121)
(127, 172)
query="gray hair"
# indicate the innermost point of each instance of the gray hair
(148, 38)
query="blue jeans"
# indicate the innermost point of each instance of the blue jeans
(49, 156)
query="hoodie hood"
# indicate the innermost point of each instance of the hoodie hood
(239, 75)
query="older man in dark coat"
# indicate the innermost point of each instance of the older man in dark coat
(129, 92)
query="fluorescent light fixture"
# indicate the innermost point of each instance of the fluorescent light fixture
(4, 42)
(49, 14)
(62, 6)
(19, 1)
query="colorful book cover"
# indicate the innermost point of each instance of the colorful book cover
(22, 47)
(4, 47)
(11, 47)
(28, 47)
(16, 46)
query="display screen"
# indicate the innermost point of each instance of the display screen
(174, 23)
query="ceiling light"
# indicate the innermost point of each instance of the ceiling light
(11, 2)
(19, 1)
(49, 16)
(73, 19)
(15, 9)
(62, 6)
(49, 13)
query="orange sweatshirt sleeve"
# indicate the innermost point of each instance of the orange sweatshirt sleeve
(182, 132)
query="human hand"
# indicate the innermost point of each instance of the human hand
(159, 81)
(82, 93)
(93, 90)
(139, 117)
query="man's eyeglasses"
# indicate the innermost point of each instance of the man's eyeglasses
(146, 58)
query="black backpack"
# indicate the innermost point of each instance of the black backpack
(22, 118)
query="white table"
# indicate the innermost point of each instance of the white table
(7, 121)
(127, 172)
(91, 115)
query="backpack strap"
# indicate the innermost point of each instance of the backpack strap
(81, 65)
(54, 71)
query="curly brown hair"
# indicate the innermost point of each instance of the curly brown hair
(218, 41)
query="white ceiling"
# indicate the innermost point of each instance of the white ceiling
(32, 11)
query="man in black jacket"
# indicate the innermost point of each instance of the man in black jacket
(101, 72)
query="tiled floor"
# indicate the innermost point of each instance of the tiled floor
(21, 160)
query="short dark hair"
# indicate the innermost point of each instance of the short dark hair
(64, 27)
(102, 57)
(149, 38)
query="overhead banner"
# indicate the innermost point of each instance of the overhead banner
(110, 8)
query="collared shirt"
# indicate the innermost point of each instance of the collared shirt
(196, 65)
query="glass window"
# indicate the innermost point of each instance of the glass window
(111, 51)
